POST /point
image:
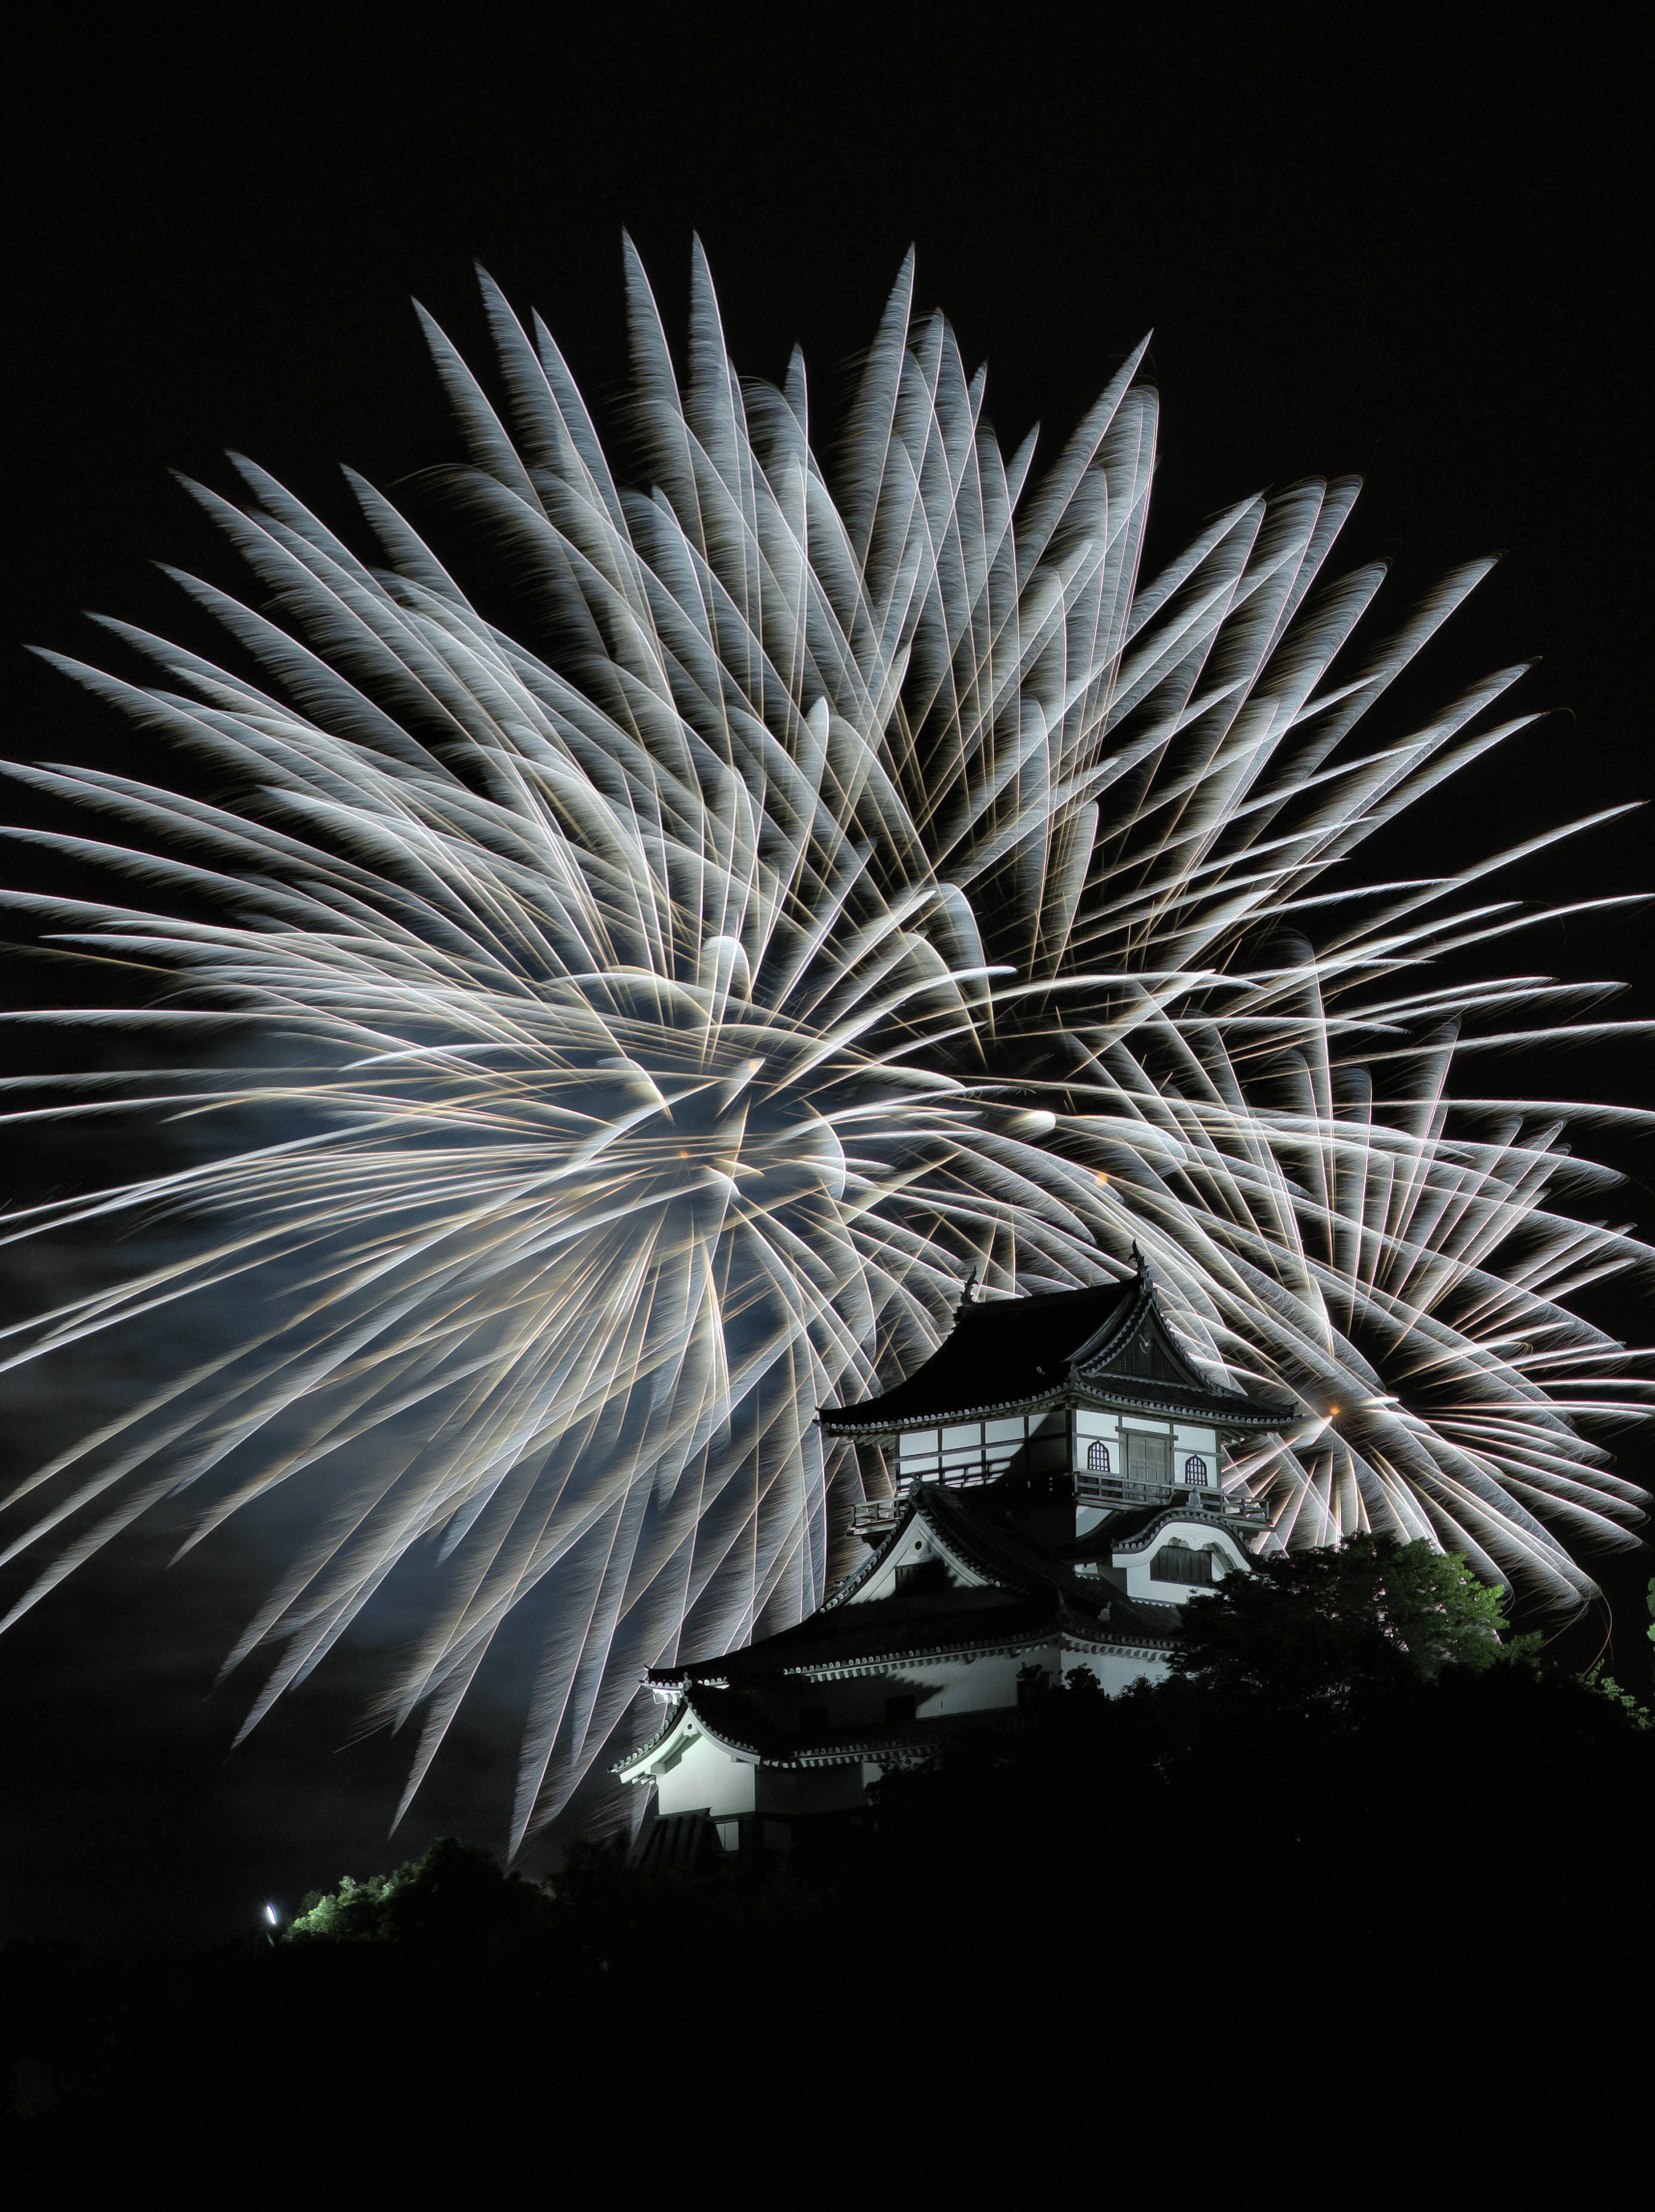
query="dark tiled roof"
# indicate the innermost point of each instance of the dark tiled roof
(737, 1721)
(997, 1353)
(1014, 1352)
(936, 1620)
(1142, 1394)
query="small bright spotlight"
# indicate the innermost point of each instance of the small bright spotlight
(272, 1915)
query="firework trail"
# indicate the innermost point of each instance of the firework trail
(857, 885)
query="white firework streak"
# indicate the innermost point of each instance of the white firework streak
(860, 888)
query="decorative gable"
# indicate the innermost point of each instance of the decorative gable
(1176, 1556)
(1144, 1349)
(916, 1556)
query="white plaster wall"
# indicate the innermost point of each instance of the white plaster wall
(963, 1686)
(706, 1779)
(961, 1445)
(1117, 1671)
(1187, 1440)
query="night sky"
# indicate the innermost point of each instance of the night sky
(1411, 254)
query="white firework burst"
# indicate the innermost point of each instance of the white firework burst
(855, 885)
(1399, 1265)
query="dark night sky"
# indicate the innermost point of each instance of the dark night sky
(1412, 252)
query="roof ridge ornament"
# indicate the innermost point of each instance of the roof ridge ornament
(967, 1295)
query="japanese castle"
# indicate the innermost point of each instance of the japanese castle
(1059, 1496)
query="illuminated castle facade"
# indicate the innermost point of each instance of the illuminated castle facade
(1059, 1495)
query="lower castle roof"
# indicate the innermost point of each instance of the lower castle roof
(1031, 1595)
(932, 1622)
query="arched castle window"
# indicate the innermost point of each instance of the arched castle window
(1097, 1459)
(1195, 1472)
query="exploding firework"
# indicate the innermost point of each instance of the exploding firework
(850, 886)
(1406, 1278)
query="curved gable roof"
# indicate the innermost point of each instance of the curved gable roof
(1003, 1352)
(1112, 1341)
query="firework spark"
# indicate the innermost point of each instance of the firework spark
(853, 886)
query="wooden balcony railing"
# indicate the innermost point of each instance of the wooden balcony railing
(877, 1514)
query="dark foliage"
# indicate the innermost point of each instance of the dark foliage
(1313, 1625)
(1330, 1862)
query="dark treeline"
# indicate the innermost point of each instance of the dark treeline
(1357, 1865)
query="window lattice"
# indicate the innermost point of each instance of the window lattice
(1174, 1563)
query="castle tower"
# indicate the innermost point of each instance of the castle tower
(1059, 1496)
